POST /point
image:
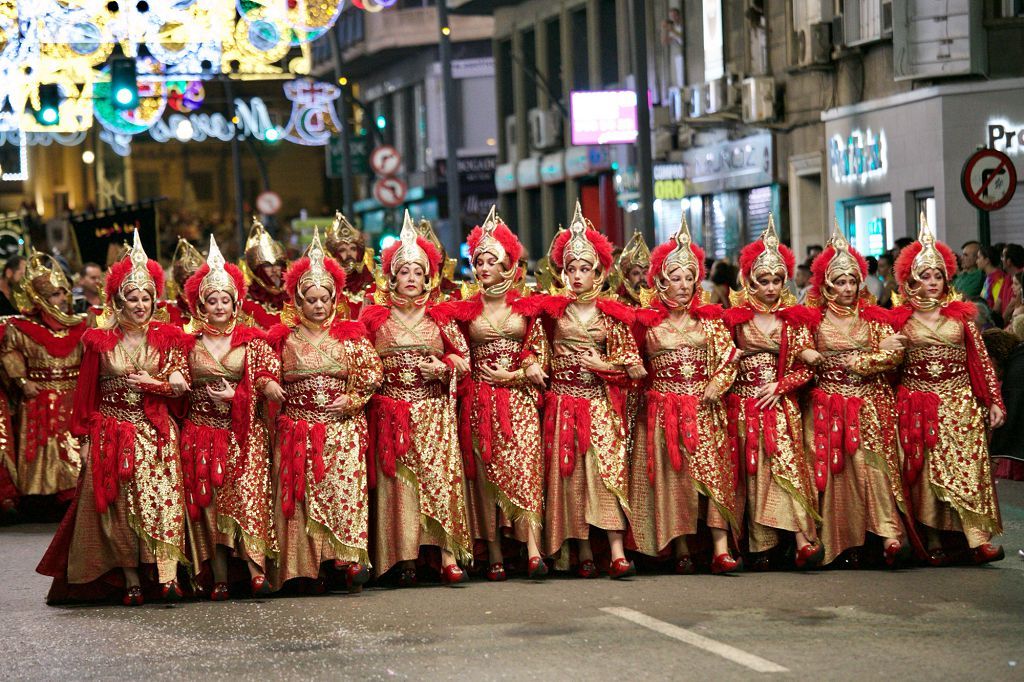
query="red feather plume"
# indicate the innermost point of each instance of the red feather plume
(907, 256)
(193, 283)
(751, 251)
(505, 237)
(119, 270)
(597, 240)
(301, 266)
(433, 257)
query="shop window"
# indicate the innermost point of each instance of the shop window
(759, 206)
(924, 203)
(722, 221)
(869, 225)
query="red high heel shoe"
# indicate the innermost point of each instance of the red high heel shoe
(987, 553)
(937, 558)
(452, 575)
(685, 565)
(407, 578)
(260, 586)
(171, 591)
(810, 555)
(892, 553)
(496, 573)
(356, 575)
(537, 569)
(724, 563)
(587, 569)
(219, 592)
(132, 596)
(621, 568)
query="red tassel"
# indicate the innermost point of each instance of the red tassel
(688, 420)
(551, 409)
(751, 418)
(503, 406)
(819, 405)
(403, 429)
(852, 442)
(836, 432)
(485, 424)
(318, 440)
(221, 449)
(566, 437)
(930, 419)
(300, 447)
(285, 426)
(582, 426)
(369, 450)
(732, 431)
(98, 466)
(653, 408)
(671, 416)
(126, 450)
(769, 427)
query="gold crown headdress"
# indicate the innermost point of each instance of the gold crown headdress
(770, 260)
(928, 257)
(635, 252)
(317, 274)
(488, 242)
(261, 248)
(408, 250)
(139, 277)
(218, 278)
(43, 276)
(579, 247)
(681, 255)
(843, 262)
(342, 231)
(185, 261)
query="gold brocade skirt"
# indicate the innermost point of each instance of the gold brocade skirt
(595, 493)
(331, 523)
(508, 493)
(55, 465)
(672, 506)
(424, 504)
(115, 539)
(240, 515)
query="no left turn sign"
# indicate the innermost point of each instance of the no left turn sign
(989, 179)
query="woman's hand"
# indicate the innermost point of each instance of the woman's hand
(636, 372)
(432, 368)
(996, 417)
(592, 360)
(496, 375)
(811, 357)
(30, 389)
(340, 405)
(223, 391)
(766, 397)
(893, 342)
(710, 393)
(460, 364)
(178, 384)
(273, 391)
(535, 373)
(141, 378)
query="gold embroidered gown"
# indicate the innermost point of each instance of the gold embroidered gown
(780, 490)
(682, 465)
(501, 424)
(587, 472)
(225, 452)
(850, 427)
(129, 508)
(420, 489)
(947, 380)
(48, 460)
(320, 470)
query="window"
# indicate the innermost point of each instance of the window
(529, 58)
(1006, 9)
(553, 62)
(869, 225)
(580, 65)
(757, 39)
(714, 40)
(608, 39)
(924, 203)
(865, 21)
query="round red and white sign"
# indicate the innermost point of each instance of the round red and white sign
(385, 160)
(390, 192)
(268, 203)
(989, 179)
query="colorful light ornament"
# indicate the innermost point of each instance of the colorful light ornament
(313, 118)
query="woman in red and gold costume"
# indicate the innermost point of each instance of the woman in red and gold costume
(850, 426)
(420, 492)
(347, 245)
(41, 355)
(329, 370)
(632, 272)
(683, 469)
(587, 474)
(126, 525)
(265, 261)
(775, 341)
(948, 396)
(225, 454)
(499, 418)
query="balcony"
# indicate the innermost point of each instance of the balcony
(397, 30)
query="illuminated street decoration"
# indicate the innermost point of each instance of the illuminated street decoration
(313, 118)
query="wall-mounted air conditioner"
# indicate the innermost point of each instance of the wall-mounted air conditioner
(719, 95)
(812, 44)
(511, 139)
(545, 128)
(758, 96)
(693, 96)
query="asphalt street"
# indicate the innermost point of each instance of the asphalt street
(951, 623)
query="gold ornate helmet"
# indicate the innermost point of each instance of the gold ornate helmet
(317, 273)
(43, 277)
(843, 262)
(929, 256)
(342, 231)
(184, 263)
(425, 229)
(488, 242)
(261, 248)
(682, 255)
(634, 253)
(409, 251)
(218, 278)
(139, 276)
(578, 247)
(770, 260)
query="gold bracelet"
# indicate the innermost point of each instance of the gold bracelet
(22, 381)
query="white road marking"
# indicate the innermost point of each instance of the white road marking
(731, 653)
